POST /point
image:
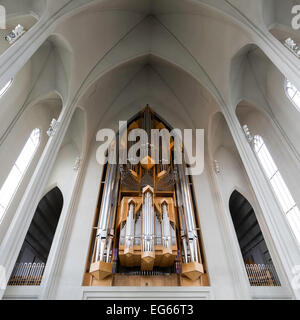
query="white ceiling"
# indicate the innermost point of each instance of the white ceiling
(111, 57)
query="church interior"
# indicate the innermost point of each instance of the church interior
(73, 228)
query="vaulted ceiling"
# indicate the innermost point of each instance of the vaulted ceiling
(125, 54)
(111, 57)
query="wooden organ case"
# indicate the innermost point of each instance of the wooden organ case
(146, 232)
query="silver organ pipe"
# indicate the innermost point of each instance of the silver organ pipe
(147, 126)
(129, 234)
(148, 222)
(122, 234)
(112, 215)
(191, 231)
(166, 226)
(183, 228)
(158, 231)
(138, 231)
(105, 213)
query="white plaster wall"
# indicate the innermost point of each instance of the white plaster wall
(232, 176)
(67, 283)
(197, 31)
(219, 269)
(63, 174)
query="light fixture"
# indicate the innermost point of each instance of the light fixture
(53, 127)
(247, 133)
(292, 46)
(77, 164)
(15, 34)
(217, 167)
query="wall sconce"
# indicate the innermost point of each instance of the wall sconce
(217, 167)
(77, 164)
(292, 46)
(247, 133)
(53, 128)
(15, 34)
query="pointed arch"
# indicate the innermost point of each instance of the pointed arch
(252, 244)
(36, 247)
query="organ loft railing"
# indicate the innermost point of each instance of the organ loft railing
(147, 223)
(262, 275)
(27, 274)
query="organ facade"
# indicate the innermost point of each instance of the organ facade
(146, 230)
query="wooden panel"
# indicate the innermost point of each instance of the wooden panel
(107, 282)
(192, 270)
(123, 208)
(146, 281)
(100, 270)
(87, 280)
(201, 282)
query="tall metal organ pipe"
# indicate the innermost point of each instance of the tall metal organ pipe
(147, 126)
(129, 234)
(166, 226)
(112, 214)
(103, 225)
(148, 223)
(192, 236)
(183, 228)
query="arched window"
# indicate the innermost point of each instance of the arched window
(280, 188)
(293, 93)
(17, 172)
(5, 88)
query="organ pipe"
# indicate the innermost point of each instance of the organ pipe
(103, 225)
(147, 126)
(191, 234)
(112, 214)
(166, 226)
(129, 234)
(183, 228)
(148, 222)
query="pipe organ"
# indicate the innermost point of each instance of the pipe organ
(147, 231)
